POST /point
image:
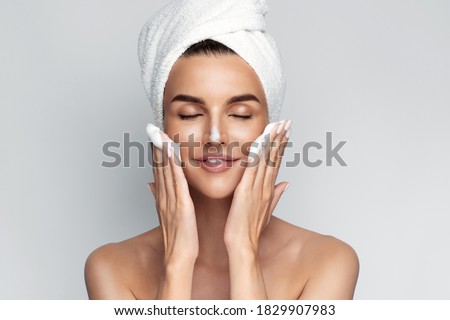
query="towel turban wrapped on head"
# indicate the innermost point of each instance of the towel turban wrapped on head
(237, 24)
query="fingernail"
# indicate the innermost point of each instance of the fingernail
(288, 133)
(288, 125)
(285, 188)
(280, 127)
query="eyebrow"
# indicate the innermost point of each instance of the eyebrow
(234, 99)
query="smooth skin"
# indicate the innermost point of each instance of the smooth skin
(217, 237)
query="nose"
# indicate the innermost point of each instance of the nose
(215, 136)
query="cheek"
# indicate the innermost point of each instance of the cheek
(242, 143)
(188, 141)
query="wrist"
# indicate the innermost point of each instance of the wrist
(179, 263)
(177, 281)
(242, 250)
(178, 274)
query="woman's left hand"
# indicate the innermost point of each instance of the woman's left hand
(256, 196)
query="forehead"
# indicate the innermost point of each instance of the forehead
(213, 75)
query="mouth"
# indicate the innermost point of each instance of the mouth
(216, 164)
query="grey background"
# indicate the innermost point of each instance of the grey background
(375, 73)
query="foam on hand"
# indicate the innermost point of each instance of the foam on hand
(256, 146)
(157, 137)
(154, 135)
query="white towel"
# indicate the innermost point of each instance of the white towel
(238, 24)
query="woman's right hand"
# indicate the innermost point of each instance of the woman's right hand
(178, 223)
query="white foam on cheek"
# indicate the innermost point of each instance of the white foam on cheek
(158, 137)
(215, 134)
(257, 144)
(154, 135)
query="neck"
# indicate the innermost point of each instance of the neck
(211, 217)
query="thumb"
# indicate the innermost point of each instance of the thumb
(279, 190)
(151, 186)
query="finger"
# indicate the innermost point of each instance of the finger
(251, 166)
(279, 190)
(159, 175)
(180, 184)
(168, 177)
(252, 163)
(276, 155)
(268, 149)
(280, 154)
(153, 167)
(179, 187)
(151, 186)
(285, 139)
(275, 151)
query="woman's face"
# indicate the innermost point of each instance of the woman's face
(214, 106)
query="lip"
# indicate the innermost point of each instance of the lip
(215, 156)
(227, 163)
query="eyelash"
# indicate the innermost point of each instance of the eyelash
(184, 117)
(246, 117)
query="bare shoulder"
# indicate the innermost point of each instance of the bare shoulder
(326, 249)
(330, 265)
(334, 269)
(112, 271)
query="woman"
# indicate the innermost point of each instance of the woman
(217, 237)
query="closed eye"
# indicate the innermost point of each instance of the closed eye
(249, 116)
(190, 116)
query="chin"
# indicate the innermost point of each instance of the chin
(220, 192)
(214, 185)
